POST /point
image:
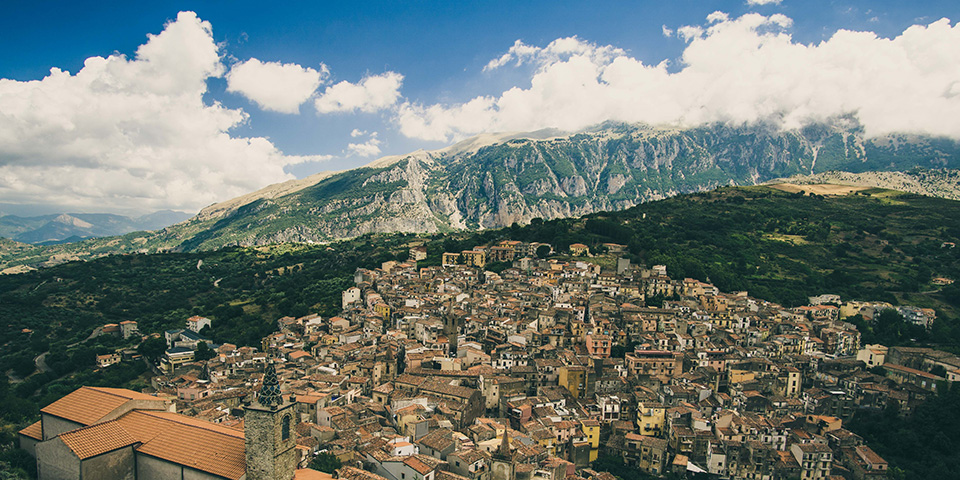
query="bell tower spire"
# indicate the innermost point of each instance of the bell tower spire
(269, 432)
(270, 395)
(501, 462)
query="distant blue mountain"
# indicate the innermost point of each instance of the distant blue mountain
(73, 227)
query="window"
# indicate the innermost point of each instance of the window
(285, 428)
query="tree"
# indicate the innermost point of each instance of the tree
(325, 462)
(83, 356)
(614, 465)
(655, 300)
(23, 366)
(620, 351)
(18, 460)
(543, 251)
(152, 348)
(207, 332)
(204, 352)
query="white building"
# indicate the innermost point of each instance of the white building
(872, 355)
(196, 323)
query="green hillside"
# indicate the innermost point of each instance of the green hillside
(876, 245)
(880, 245)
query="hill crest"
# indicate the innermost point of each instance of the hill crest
(498, 180)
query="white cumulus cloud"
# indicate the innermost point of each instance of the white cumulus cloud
(558, 50)
(367, 149)
(735, 70)
(131, 134)
(717, 16)
(280, 87)
(764, 2)
(372, 93)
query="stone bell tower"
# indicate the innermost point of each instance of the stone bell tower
(501, 462)
(269, 431)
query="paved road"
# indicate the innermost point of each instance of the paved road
(41, 362)
(94, 334)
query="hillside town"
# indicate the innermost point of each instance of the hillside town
(547, 370)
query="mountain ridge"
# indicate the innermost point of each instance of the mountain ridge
(468, 145)
(497, 180)
(55, 228)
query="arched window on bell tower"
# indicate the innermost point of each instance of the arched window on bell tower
(285, 428)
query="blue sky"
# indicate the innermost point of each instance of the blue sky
(132, 136)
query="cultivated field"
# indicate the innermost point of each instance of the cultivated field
(819, 188)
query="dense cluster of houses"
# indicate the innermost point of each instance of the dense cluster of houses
(534, 373)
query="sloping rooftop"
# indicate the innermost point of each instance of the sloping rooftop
(34, 431)
(97, 439)
(417, 464)
(197, 444)
(351, 473)
(310, 474)
(88, 405)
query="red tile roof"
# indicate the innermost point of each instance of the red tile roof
(34, 431)
(88, 405)
(309, 474)
(187, 441)
(868, 455)
(418, 465)
(913, 371)
(97, 439)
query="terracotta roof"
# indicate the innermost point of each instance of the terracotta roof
(100, 438)
(444, 475)
(524, 467)
(88, 405)
(194, 443)
(417, 463)
(786, 457)
(439, 439)
(893, 366)
(470, 456)
(867, 454)
(310, 474)
(812, 448)
(351, 473)
(34, 431)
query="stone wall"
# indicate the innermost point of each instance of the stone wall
(269, 455)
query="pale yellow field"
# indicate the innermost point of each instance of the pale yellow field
(794, 239)
(819, 188)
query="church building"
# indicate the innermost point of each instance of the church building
(113, 433)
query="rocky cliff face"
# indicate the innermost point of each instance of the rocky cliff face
(496, 180)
